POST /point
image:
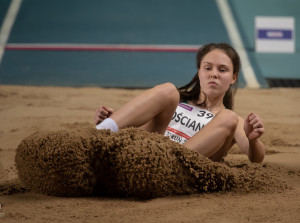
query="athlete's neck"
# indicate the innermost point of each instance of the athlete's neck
(212, 104)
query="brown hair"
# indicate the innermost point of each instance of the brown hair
(192, 90)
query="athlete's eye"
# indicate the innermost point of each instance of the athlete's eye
(223, 69)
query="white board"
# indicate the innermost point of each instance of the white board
(274, 34)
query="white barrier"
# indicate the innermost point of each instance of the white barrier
(274, 34)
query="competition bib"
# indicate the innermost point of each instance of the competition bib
(187, 120)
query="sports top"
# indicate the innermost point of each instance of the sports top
(186, 121)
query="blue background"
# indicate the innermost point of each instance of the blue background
(191, 22)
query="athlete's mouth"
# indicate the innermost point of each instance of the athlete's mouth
(212, 83)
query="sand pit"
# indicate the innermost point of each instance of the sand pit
(129, 163)
(64, 111)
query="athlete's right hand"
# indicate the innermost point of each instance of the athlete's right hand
(102, 113)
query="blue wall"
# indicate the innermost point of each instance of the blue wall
(270, 65)
(191, 22)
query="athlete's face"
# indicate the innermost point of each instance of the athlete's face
(216, 73)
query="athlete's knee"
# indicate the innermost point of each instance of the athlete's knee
(168, 92)
(229, 119)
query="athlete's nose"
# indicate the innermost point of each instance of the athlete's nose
(214, 74)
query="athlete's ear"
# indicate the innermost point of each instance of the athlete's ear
(234, 77)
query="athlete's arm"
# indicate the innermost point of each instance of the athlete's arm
(247, 136)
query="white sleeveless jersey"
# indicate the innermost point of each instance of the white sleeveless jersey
(187, 120)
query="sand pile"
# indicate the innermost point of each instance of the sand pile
(11, 187)
(129, 163)
(57, 163)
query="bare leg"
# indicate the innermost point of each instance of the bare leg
(152, 110)
(215, 139)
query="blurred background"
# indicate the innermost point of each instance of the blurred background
(136, 43)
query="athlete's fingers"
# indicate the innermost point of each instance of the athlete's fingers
(108, 110)
(255, 119)
(100, 115)
(257, 124)
(103, 113)
(260, 130)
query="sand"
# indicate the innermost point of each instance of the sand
(266, 192)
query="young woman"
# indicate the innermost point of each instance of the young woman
(199, 115)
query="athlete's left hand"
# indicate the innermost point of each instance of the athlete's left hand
(253, 126)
